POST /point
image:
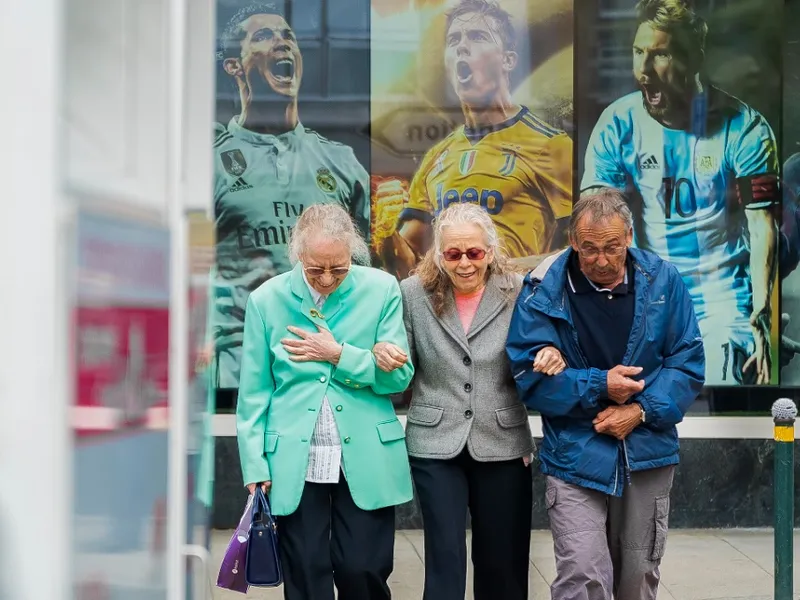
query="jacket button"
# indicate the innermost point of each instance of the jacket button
(347, 440)
(468, 413)
(322, 379)
(467, 387)
(467, 360)
(339, 408)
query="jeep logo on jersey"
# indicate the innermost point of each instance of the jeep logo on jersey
(489, 200)
(234, 162)
(325, 181)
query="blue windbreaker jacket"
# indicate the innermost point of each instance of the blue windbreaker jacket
(664, 340)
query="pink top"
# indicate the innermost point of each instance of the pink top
(467, 306)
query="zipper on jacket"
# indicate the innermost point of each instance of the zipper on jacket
(643, 325)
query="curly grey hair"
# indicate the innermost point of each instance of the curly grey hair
(328, 221)
(430, 271)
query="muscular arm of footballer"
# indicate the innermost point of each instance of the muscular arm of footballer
(763, 250)
(561, 234)
(416, 234)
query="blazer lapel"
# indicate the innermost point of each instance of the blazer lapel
(299, 288)
(332, 304)
(450, 321)
(494, 299)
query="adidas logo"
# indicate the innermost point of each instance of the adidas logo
(239, 185)
(649, 162)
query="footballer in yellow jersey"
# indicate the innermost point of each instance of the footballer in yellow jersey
(520, 172)
(504, 158)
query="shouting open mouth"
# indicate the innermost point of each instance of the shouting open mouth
(282, 69)
(653, 94)
(463, 72)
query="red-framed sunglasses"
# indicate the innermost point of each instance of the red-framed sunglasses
(454, 254)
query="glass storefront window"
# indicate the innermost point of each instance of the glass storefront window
(375, 81)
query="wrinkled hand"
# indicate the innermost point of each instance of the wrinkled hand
(620, 385)
(266, 487)
(549, 361)
(320, 346)
(618, 421)
(388, 356)
(762, 357)
(789, 347)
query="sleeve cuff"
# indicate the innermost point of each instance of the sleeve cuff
(258, 474)
(346, 371)
(598, 387)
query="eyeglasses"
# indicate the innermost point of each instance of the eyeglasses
(319, 271)
(592, 253)
(454, 254)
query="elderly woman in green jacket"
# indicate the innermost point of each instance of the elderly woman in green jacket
(315, 422)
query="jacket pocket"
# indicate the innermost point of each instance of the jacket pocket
(270, 441)
(661, 524)
(389, 431)
(512, 416)
(424, 414)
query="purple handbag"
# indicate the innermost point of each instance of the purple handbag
(232, 571)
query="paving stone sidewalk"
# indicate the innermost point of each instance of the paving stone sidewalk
(734, 564)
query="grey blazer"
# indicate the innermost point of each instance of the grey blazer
(463, 391)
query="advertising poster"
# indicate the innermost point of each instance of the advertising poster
(679, 106)
(292, 97)
(471, 102)
(790, 228)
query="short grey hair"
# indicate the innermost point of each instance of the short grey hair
(465, 214)
(601, 204)
(329, 221)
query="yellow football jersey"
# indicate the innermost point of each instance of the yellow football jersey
(519, 171)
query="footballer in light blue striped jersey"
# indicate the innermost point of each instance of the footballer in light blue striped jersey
(700, 168)
(267, 169)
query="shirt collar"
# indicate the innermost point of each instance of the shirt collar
(318, 298)
(282, 140)
(580, 284)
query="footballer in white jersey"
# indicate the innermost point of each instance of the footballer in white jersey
(701, 171)
(265, 176)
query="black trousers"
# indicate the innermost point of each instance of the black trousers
(499, 496)
(329, 540)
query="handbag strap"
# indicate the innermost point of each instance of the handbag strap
(261, 506)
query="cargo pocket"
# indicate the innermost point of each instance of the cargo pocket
(661, 519)
(550, 496)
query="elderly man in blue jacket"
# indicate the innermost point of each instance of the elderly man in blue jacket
(623, 323)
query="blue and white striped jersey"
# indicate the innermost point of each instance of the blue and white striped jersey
(684, 196)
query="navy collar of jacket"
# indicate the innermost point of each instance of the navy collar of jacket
(549, 279)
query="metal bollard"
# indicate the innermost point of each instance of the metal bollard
(784, 412)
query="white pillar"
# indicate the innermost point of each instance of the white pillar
(35, 447)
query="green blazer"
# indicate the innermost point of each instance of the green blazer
(279, 400)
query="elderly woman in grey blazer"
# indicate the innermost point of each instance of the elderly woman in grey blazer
(468, 437)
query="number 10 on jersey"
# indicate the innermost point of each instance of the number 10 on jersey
(679, 198)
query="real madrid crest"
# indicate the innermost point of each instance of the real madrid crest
(234, 162)
(326, 181)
